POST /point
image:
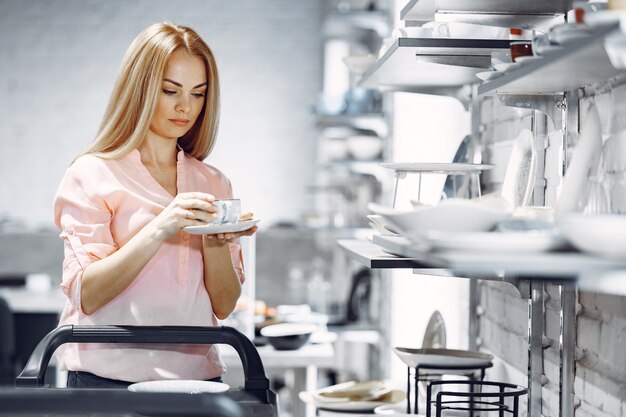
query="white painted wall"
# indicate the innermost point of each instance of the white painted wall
(60, 58)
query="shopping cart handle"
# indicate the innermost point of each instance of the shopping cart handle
(35, 370)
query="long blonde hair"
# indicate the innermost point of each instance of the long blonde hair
(132, 104)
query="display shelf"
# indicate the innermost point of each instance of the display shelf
(431, 65)
(553, 265)
(580, 63)
(504, 13)
(373, 256)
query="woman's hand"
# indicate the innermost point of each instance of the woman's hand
(187, 209)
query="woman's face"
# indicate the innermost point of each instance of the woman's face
(182, 95)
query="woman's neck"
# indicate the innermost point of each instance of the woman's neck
(157, 151)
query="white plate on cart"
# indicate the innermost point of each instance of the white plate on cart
(527, 242)
(436, 167)
(211, 229)
(181, 386)
(602, 235)
(442, 357)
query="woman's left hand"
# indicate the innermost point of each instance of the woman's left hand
(222, 238)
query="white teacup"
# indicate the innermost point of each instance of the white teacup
(228, 210)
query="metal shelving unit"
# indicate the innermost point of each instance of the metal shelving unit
(441, 66)
(505, 13)
(580, 63)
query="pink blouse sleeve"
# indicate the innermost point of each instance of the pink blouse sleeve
(84, 220)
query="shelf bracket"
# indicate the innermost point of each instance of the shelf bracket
(552, 105)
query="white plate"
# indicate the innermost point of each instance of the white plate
(377, 222)
(435, 334)
(442, 357)
(211, 229)
(601, 234)
(584, 159)
(391, 397)
(436, 167)
(453, 214)
(489, 75)
(517, 185)
(527, 59)
(529, 242)
(548, 49)
(182, 386)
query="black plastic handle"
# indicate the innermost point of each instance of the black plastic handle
(35, 370)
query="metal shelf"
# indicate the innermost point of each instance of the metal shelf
(505, 13)
(552, 265)
(441, 66)
(373, 257)
(580, 63)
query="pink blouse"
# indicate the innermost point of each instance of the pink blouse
(100, 205)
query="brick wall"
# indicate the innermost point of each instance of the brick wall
(60, 58)
(600, 383)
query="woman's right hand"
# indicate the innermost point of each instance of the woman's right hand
(187, 209)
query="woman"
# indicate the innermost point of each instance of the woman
(122, 207)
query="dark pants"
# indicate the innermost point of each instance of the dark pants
(79, 379)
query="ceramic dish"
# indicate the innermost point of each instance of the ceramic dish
(435, 333)
(584, 159)
(528, 242)
(517, 186)
(211, 229)
(489, 75)
(603, 235)
(377, 222)
(181, 386)
(436, 167)
(442, 357)
(453, 214)
(548, 49)
(391, 397)
(288, 336)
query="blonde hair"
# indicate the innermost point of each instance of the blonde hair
(132, 104)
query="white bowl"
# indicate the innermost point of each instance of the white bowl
(396, 410)
(602, 234)
(451, 215)
(363, 147)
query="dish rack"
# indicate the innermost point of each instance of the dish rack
(475, 373)
(475, 399)
(254, 399)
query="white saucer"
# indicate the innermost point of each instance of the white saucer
(211, 229)
(182, 386)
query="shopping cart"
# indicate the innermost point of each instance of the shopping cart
(31, 397)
